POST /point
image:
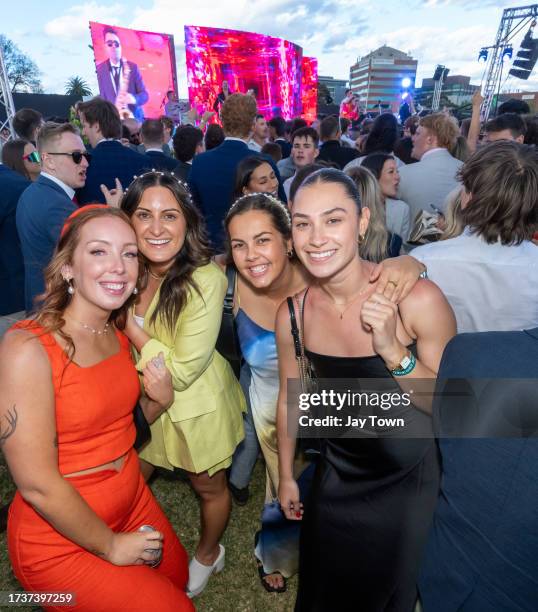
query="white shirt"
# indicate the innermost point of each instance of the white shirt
(68, 190)
(253, 145)
(287, 186)
(113, 68)
(432, 151)
(235, 138)
(491, 287)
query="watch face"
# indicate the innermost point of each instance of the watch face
(405, 362)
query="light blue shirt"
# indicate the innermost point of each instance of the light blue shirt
(491, 287)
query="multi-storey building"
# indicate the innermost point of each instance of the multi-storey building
(377, 78)
(457, 90)
(337, 87)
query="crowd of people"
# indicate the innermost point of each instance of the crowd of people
(165, 286)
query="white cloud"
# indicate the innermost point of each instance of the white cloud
(334, 31)
(74, 24)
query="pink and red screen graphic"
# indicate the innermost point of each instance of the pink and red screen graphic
(310, 88)
(271, 67)
(152, 64)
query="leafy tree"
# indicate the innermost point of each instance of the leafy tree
(77, 86)
(22, 71)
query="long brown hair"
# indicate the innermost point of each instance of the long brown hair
(56, 298)
(194, 253)
(12, 156)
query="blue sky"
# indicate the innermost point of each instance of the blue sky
(55, 33)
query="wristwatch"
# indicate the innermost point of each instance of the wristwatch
(402, 364)
(405, 366)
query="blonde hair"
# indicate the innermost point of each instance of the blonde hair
(453, 219)
(375, 244)
(53, 131)
(445, 129)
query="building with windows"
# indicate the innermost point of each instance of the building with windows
(457, 91)
(337, 87)
(377, 78)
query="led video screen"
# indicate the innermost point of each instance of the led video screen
(309, 88)
(135, 69)
(270, 68)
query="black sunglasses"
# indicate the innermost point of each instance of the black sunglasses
(76, 156)
(112, 43)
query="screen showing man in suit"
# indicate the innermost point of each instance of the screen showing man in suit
(134, 69)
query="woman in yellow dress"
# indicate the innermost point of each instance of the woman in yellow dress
(175, 324)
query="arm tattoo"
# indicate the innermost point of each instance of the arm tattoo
(8, 429)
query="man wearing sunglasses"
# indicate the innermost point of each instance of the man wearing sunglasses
(46, 203)
(119, 78)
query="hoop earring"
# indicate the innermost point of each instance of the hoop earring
(289, 253)
(361, 239)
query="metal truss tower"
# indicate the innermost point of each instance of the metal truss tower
(513, 21)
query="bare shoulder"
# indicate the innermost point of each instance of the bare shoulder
(22, 352)
(425, 301)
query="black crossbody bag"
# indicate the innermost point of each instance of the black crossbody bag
(228, 342)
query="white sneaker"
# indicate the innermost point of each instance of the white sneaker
(199, 573)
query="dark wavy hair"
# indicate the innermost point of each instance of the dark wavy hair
(244, 171)
(274, 208)
(383, 135)
(502, 179)
(194, 253)
(375, 162)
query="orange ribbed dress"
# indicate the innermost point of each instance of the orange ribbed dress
(94, 424)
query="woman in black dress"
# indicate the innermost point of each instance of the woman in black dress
(372, 500)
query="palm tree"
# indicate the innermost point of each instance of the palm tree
(77, 86)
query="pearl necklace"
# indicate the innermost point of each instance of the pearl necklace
(99, 332)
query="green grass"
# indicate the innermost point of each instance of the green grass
(237, 588)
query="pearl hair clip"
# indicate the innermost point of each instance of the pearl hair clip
(270, 197)
(154, 171)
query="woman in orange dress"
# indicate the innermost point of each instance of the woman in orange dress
(69, 387)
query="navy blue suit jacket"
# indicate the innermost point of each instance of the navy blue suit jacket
(42, 210)
(110, 159)
(135, 86)
(212, 180)
(160, 161)
(482, 552)
(12, 184)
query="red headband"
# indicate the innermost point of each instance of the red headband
(77, 212)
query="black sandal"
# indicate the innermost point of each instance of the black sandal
(265, 584)
(262, 573)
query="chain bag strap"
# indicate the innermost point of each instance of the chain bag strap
(305, 370)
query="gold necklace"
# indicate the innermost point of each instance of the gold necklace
(348, 304)
(155, 276)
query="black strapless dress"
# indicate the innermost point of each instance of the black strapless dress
(368, 513)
